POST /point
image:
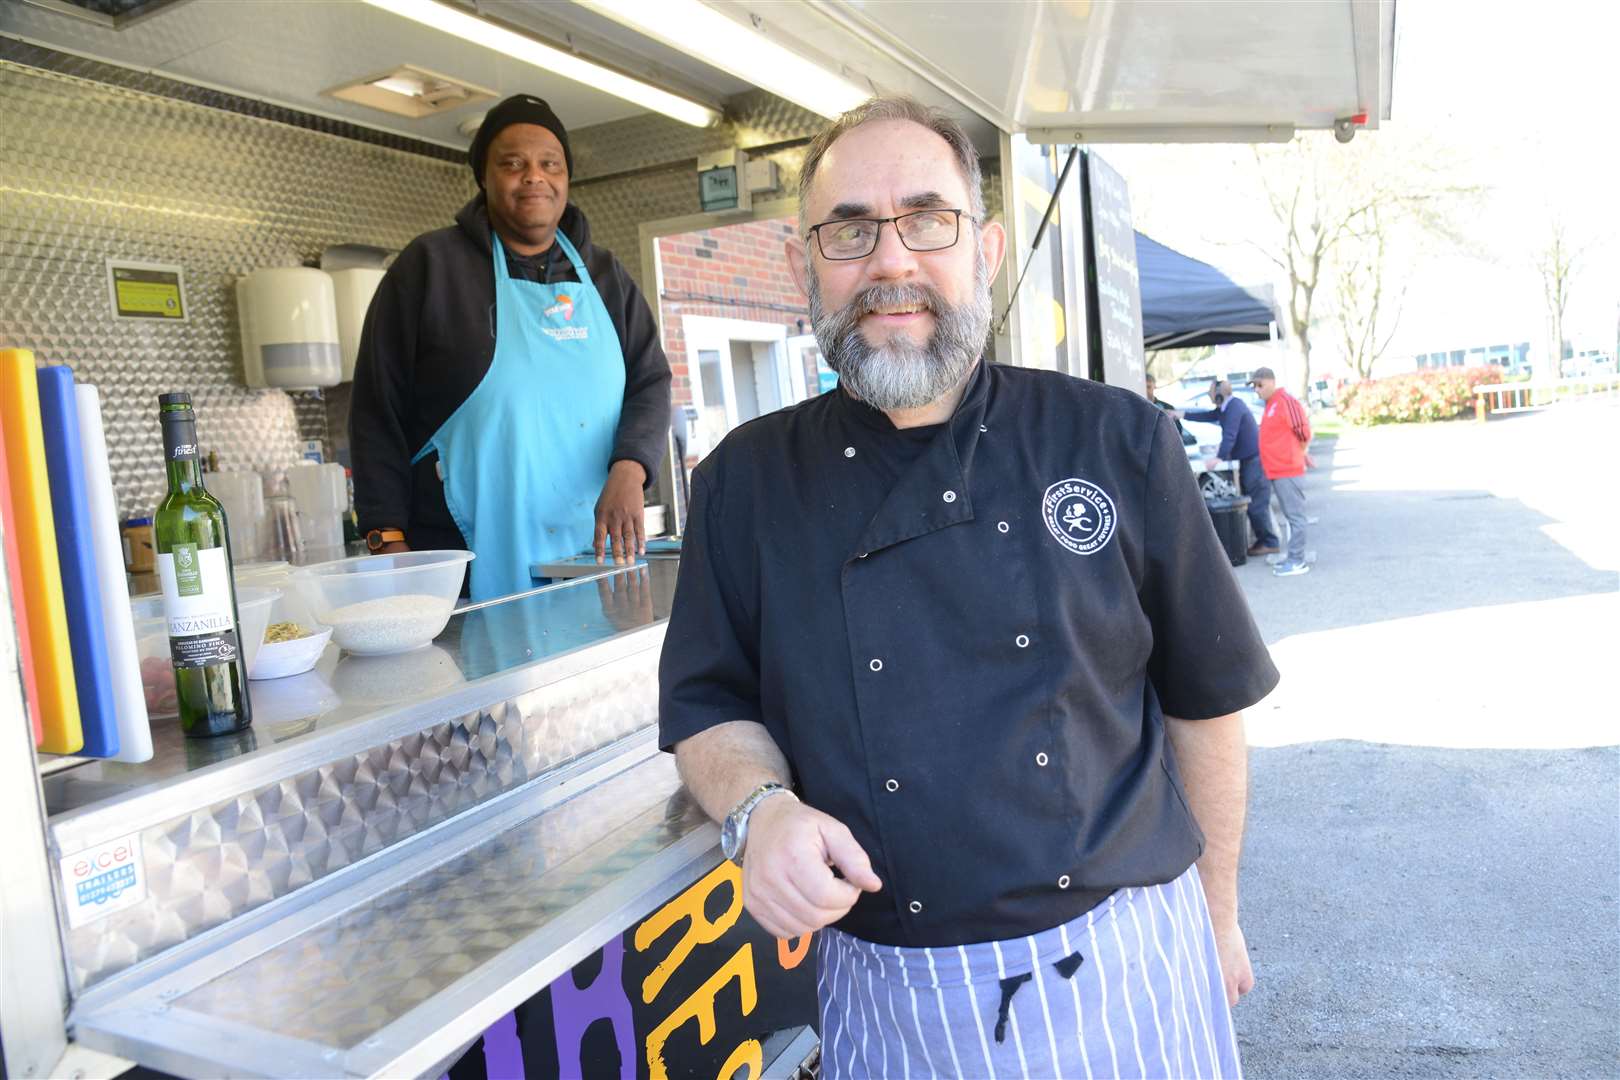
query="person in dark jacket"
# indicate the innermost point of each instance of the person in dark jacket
(1240, 442)
(510, 395)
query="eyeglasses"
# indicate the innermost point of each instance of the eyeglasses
(856, 238)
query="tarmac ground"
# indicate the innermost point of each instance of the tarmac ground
(1431, 875)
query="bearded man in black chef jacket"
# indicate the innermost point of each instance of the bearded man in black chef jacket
(957, 661)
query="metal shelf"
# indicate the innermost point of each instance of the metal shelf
(390, 969)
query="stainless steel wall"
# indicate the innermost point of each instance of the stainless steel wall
(94, 171)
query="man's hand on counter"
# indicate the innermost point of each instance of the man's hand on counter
(621, 525)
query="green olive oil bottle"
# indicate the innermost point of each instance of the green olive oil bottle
(199, 600)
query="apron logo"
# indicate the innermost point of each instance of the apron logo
(564, 307)
(1079, 515)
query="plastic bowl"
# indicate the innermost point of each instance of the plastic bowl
(279, 659)
(378, 605)
(253, 605)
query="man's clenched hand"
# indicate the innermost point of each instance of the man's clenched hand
(788, 881)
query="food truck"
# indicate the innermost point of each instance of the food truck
(472, 858)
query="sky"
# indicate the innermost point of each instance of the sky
(1522, 100)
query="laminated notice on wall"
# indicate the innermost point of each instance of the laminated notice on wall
(146, 290)
(101, 880)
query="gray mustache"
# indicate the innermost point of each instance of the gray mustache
(882, 296)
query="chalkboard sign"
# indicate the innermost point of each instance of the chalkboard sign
(1113, 291)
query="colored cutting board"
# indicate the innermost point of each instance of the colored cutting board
(14, 574)
(76, 552)
(36, 542)
(123, 658)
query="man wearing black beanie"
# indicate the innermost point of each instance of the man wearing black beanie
(510, 394)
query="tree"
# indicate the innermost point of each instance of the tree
(1556, 262)
(1369, 304)
(1325, 199)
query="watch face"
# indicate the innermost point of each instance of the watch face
(730, 840)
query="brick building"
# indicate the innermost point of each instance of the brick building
(736, 328)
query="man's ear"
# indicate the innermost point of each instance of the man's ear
(798, 260)
(993, 244)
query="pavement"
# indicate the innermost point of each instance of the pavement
(1431, 876)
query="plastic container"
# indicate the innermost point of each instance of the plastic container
(379, 605)
(280, 659)
(253, 605)
(1231, 518)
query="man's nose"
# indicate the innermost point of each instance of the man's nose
(891, 258)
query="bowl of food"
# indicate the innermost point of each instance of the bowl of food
(289, 649)
(379, 605)
(253, 606)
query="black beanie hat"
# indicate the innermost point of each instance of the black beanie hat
(517, 109)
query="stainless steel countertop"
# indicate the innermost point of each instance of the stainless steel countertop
(482, 643)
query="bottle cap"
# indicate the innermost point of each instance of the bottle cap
(177, 398)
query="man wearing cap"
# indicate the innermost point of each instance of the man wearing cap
(510, 395)
(1285, 433)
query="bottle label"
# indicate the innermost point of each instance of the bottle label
(197, 602)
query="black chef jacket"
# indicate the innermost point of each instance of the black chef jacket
(965, 644)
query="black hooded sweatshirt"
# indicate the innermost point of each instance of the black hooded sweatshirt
(428, 341)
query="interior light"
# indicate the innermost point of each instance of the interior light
(699, 30)
(460, 24)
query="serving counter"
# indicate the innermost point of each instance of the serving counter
(404, 849)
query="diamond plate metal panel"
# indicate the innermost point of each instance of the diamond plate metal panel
(340, 982)
(94, 171)
(209, 866)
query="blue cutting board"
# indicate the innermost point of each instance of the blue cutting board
(76, 551)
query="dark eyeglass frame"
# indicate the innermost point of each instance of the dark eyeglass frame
(877, 235)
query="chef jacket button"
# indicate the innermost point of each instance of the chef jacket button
(1041, 759)
(1022, 641)
(849, 451)
(983, 428)
(915, 907)
(876, 665)
(892, 784)
(950, 496)
(1001, 526)
(1063, 882)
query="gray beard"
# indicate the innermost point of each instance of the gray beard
(901, 374)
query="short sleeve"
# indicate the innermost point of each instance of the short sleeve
(709, 671)
(1208, 657)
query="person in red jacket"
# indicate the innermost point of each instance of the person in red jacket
(1285, 433)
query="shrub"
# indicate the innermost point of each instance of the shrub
(1417, 397)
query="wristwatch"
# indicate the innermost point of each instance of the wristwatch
(734, 830)
(377, 539)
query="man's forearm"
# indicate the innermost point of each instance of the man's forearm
(722, 765)
(1213, 758)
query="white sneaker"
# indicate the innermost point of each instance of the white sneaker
(1291, 568)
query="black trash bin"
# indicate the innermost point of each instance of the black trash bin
(1231, 518)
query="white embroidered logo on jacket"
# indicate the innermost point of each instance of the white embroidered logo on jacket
(1079, 515)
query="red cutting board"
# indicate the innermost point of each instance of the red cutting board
(25, 650)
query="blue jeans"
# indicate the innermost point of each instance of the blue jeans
(1258, 489)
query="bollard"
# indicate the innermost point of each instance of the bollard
(1479, 407)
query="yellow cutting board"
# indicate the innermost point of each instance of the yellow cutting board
(42, 603)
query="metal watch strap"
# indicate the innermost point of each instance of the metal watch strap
(737, 821)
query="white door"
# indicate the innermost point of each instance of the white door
(741, 371)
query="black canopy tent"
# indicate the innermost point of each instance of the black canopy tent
(1187, 303)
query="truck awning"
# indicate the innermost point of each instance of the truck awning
(1187, 303)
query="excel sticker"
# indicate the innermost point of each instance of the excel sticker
(101, 880)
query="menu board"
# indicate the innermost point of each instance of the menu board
(1114, 294)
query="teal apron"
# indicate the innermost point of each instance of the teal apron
(525, 456)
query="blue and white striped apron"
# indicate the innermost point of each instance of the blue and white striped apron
(1132, 988)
